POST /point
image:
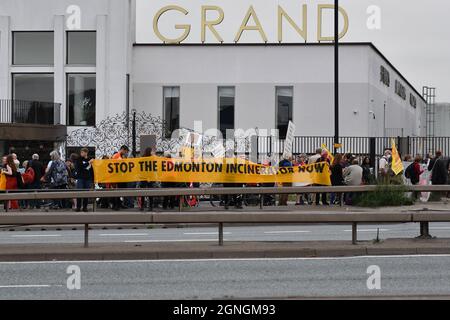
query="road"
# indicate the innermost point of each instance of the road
(401, 276)
(243, 233)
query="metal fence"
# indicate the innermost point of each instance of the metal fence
(357, 145)
(30, 112)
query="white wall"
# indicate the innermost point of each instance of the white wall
(442, 120)
(255, 71)
(400, 116)
(111, 20)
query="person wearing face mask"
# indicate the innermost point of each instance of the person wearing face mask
(384, 166)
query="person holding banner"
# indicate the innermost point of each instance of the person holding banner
(146, 184)
(337, 178)
(123, 151)
(323, 158)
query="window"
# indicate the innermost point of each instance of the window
(400, 90)
(284, 109)
(33, 87)
(81, 47)
(226, 109)
(33, 48)
(81, 91)
(385, 76)
(412, 100)
(33, 96)
(171, 110)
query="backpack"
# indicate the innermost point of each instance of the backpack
(28, 176)
(411, 174)
(59, 173)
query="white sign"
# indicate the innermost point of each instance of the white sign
(289, 140)
(236, 21)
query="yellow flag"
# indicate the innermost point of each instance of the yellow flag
(330, 156)
(397, 164)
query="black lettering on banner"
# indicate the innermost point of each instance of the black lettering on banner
(319, 167)
(148, 166)
(110, 168)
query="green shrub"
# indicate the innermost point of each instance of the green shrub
(384, 196)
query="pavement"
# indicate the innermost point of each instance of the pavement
(42, 243)
(208, 250)
(380, 277)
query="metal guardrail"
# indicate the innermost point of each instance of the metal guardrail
(220, 218)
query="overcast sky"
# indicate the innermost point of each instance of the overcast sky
(414, 36)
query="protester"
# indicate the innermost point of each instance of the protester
(300, 161)
(353, 177)
(413, 173)
(323, 158)
(438, 167)
(385, 171)
(337, 178)
(12, 180)
(57, 175)
(367, 171)
(27, 178)
(117, 204)
(285, 163)
(39, 172)
(169, 202)
(85, 176)
(316, 156)
(146, 184)
(16, 161)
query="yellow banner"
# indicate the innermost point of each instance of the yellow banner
(2, 181)
(397, 164)
(227, 170)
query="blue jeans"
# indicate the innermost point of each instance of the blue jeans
(83, 184)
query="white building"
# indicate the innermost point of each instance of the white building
(81, 63)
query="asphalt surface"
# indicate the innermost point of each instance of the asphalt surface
(401, 277)
(231, 233)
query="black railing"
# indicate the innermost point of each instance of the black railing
(30, 112)
(357, 145)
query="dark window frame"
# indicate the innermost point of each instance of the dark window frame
(218, 108)
(291, 87)
(166, 133)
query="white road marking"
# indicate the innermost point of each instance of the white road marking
(34, 235)
(25, 286)
(367, 230)
(123, 234)
(204, 233)
(232, 259)
(287, 231)
(174, 240)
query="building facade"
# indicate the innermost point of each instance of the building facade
(72, 72)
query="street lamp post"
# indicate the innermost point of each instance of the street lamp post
(336, 75)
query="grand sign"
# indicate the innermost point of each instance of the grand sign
(240, 21)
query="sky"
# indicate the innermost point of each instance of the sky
(414, 36)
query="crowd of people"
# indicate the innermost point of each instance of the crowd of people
(76, 172)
